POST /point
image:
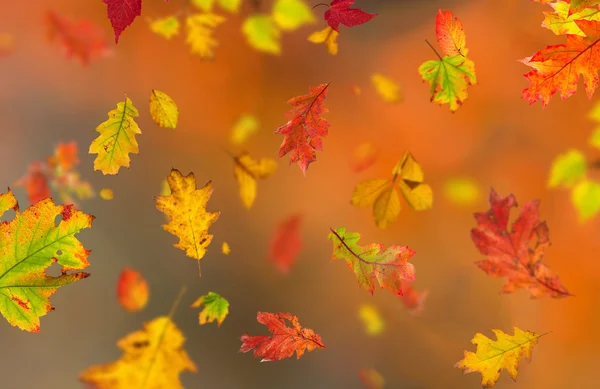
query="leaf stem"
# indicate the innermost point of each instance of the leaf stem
(316, 5)
(434, 50)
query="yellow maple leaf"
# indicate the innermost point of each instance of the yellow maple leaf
(327, 35)
(200, 28)
(186, 208)
(117, 139)
(243, 128)
(167, 27)
(163, 109)
(262, 34)
(383, 196)
(247, 171)
(225, 248)
(493, 356)
(153, 358)
(106, 194)
(386, 88)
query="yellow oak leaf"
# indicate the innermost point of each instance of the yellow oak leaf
(243, 128)
(327, 35)
(167, 27)
(106, 194)
(225, 248)
(188, 218)
(386, 88)
(117, 139)
(262, 34)
(493, 356)
(200, 38)
(382, 194)
(153, 358)
(163, 109)
(247, 171)
(291, 14)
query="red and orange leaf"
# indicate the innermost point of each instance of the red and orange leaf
(286, 243)
(303, 132)
(450, 34)
(513, 254)
(35, 183)
(283, 341)
(65, 156)
(132, 290)
(81, 39)
(412, 299)
(122, 13)
(340, 12)
(371, 378)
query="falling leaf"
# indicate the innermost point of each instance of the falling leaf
(461, 191)
(153, 357)
(291, 14)
(167, 27)
(586, 198)
(493, 356)
(327, 35)
(371, 379)
(7, 44)
(371, 318)
(567, 169)
(35, 182)
(413, 300)
(117, 139)
(189, 219)
(386, 88)
(513, 254)
(365, 155)
(594, 115)
(356, 91)
(562, 21)
(283, 341)
(245, 126)
(371, 262)
(215, 308)
(247, 171)
(200, 28)
(163, 109)
(340, 12)
(232, 6)
(383, 195)
(132, 290)
(262, 34)
(286, 243)
(65, 156)
(31, 243)
(305, 128)
(106, 194)
(225, 248)
(122, 13)
(450, 34)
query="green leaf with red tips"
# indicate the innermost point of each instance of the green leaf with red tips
(29, 244)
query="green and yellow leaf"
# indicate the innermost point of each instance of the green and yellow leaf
(167, 27)
(567, 169)
(449, 79)
(215, 308)
(262, 34)
(586, 199)
(327, 35)
(290, 15)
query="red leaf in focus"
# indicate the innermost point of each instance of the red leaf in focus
(122, 13)
(286, 243)
(35, 183)
(340, 12)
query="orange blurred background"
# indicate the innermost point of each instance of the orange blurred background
(496, 137)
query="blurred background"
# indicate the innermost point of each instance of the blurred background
(495, 138)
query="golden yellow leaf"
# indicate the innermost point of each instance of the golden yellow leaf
(262, 34)
(153, 358)
(163, 109)
(106, 194)
(327, 35)
(247, 171)
(243, 128)
(291, 14)
(200, 28)
(167, 27)
(386, 88)
(493, 356)
(225, 248)
(117, 139)
(232, 6)
(189, 220)
(371, 318)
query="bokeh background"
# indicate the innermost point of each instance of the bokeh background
(495, 137)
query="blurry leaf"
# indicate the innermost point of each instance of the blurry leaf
(243, 128)
(232, 6)
(461, 191)
(340, 12)
(122, 13)
(107, 194)
(563, 20)
(595, 139)
(163, 109)
(225, 248)
(412, 299)
(371, 318)
(200, 38)
(31, 243)
(247, 171)
(493, 356)
(215, 308)
(262, 34)
(356, 91)
(450, 34)
(371, 378)
(35, 182)
(167, 27)
(567, 169)
(65, 156)
(291, 14)
(7, 44)
(286, 243)
(327, 35)
(586, 198)
(365, 155)
(386, 88)
(132, 290)
(371, 262)
(152, 358)
(283, 341)
(117, 139)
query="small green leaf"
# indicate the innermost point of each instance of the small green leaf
(291, 14)
(215, 308)
(586, 198)
(567, 169)
(449, 79)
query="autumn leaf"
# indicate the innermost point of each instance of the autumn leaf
(386, 88)
(412, 299)
(188, 218)
(163, 109)
(117, 139)
(132, 290)
(153, 358)
(122, 13)
(450, 34)
(247, 171)
(232, 6)
(225, 248)
(364, 156)
(65, 156)
(372, 262)
(594, 115)
(305, 128)
(371, 378)
(286, 243)
(586, 198)
(371, 318)
(567, 169)
(562, 20)
(30, 244)
(327, 35)
(290, 15)
(513, 254)
(283, 340)
(167, 27)
(245, 126)
(340, 12)
(106, 194)
(462, 191)
(262, 34)
(35, 182)
(491, 356)
(215, 308)
(200, 28)
(382, 194)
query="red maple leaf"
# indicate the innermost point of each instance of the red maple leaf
(303, 132)
(283, 341)
(513, 254)
(80, 38)
(286, 243)
(340, 12)
(122, 13)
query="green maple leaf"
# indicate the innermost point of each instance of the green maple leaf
(215, 308)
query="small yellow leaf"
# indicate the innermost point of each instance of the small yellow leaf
(163, 109)
(225, 248)
(567, 169)
(166, 27)
(371, 318)
(461, 191)
(204, 5)
(247, 171)
(262, 34)
(243, 128)
(386, 88)
(327, 35)
(106, 194)
(291, 14)
(586, 198)
(200, 38)
(232, 6)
